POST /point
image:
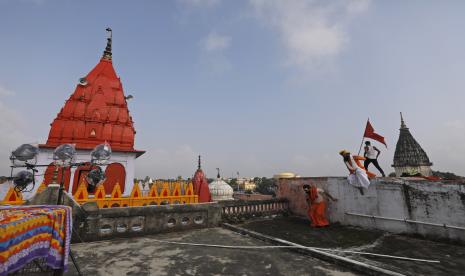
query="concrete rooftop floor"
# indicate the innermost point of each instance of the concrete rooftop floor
(451, 256)
(146, 256)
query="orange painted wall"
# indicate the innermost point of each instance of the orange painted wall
(115, 173)
(49, 175)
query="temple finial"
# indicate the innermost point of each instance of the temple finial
(402, 123)
(107, 52)
(199, 163)
(218, 175)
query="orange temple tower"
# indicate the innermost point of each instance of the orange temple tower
(95, 113)
(201, 185)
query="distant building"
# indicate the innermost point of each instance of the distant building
(246, 184)
(409, 157)
(285, 175)
(244, 196)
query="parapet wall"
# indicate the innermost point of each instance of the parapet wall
(91, 223)
(111, 223)
(429, 208)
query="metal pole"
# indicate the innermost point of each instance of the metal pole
(361, 144)
(62, 183)
(59, 202)
(363, 139)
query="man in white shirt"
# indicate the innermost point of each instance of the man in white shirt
(371, 154)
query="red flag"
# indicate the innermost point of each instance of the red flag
(370, 133)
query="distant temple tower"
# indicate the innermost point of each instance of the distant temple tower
(410, 158)
(201, 185)
(96, 112)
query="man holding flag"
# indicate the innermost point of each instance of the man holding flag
(371, 156)
(371, 152)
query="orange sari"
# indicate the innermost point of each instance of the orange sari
(316, 210)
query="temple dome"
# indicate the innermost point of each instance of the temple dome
(220, 190)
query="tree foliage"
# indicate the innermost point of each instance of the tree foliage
(265, 186)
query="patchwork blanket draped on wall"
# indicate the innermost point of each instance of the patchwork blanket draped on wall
(31, 232)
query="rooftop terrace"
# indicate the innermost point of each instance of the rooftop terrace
(149, 256)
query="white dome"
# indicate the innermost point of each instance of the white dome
(220, 190)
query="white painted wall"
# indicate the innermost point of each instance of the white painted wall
(420, 200)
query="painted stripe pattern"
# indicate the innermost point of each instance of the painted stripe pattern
(31, 232)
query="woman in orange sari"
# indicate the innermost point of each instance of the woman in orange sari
(317, 205)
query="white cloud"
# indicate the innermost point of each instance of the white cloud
(215, 65)
(5, 91)
(213, 58)
(167, 163)
(456, 124)
(216, 42)
(312, 32)
(199, 3)
(11, 127)
(358, 6)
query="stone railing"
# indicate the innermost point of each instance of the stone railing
(108, 223)
(92, 223)
(239, 210)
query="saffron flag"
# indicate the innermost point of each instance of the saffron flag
(370, 133)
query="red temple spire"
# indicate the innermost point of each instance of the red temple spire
(96, 112)
(201, 185)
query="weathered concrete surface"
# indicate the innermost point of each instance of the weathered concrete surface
(414, 199)
(145, 256)
(109, 223)
(451, 257)
(236, 211)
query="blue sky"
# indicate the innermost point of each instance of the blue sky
(258, 86)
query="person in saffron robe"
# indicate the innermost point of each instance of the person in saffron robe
(317, 205)
(358, 176)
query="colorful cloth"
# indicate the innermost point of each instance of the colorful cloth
(31, 232)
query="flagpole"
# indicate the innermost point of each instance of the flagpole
(360, 149)
(363, 139)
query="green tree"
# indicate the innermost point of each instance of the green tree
(265, 186)
(233, 184)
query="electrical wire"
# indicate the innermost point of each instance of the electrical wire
(295, 246)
